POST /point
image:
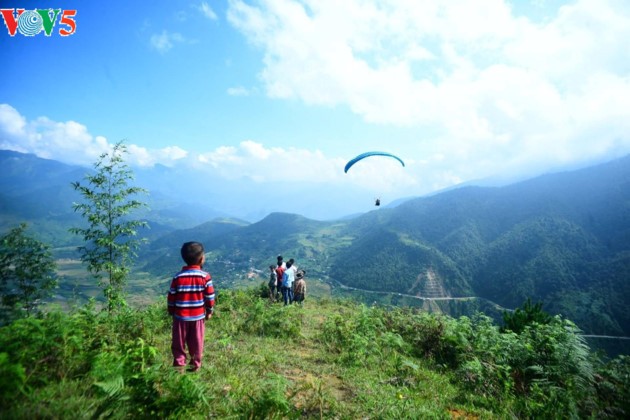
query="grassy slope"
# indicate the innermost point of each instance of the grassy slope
(327, 359)
(261, 360)
(267, 371)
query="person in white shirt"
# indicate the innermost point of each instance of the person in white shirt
(294, 266)
(288, 277)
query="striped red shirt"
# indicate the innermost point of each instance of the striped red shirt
(191, 295)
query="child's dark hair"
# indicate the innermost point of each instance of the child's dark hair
(192, 252)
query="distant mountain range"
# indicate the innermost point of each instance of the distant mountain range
(563, 239)
(183, 196)
(39, 191)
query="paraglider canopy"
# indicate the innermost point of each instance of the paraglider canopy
(368, 154)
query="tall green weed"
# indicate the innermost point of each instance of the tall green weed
(118, 365)
(351, 335)
(427, 334)
(612, 384)
(244, 311)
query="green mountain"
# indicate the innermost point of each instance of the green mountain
(563, 239)
(235, 249)
(161, 256)
(39, 192)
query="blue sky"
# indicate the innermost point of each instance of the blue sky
(285, 92)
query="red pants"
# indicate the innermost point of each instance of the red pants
(191, 334)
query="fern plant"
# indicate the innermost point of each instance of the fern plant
(527, 314)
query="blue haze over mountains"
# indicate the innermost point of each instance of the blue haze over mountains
(563, 238)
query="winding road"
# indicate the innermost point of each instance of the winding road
(462, 298)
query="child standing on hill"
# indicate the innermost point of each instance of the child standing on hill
(273, 279)
(191, 301)
(299, 287)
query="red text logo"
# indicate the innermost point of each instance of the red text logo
(33, 22)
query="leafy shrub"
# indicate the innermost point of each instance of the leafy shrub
(484, 357)
(108, 372)
(425, 332)
(27, 274)
(276, 321)
(354, 335)
(181, 396)
(545, 370)
(613, 388)
(64, 346)
(50, 348)
(12, 378)
(246, 312)
(528, 314)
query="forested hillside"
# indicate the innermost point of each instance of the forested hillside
(562, 239)
(39, 191)
(554, 238)
(234, 250)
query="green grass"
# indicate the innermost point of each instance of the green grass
(265, 375)
(261, 360)
(329, 358)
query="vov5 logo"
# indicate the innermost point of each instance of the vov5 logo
(32, 22)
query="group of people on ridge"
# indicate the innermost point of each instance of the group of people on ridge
(286, 279)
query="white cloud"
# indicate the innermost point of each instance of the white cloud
(165, 41)
(70, 141)
(142, 156)
(65, 141)
(238, 91)
(252, 160)
(11, 121)
(207, 11)
(501, 91)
